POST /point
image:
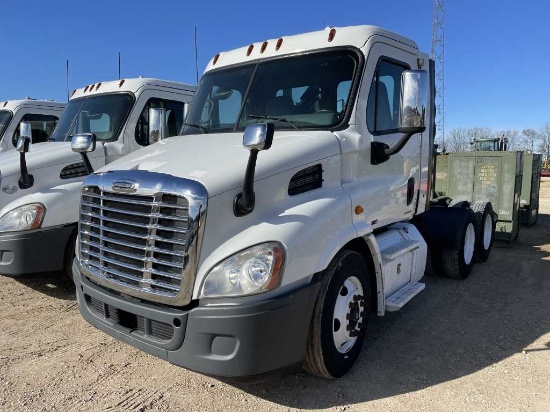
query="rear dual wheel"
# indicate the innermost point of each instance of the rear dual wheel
(485, 229)
(456, 263)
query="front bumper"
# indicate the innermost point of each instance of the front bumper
(245, 341)
(40, 250)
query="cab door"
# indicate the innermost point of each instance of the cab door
(389, 189)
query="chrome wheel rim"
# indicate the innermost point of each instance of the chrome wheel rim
(469, 243)
(487, 232)
(348, 314)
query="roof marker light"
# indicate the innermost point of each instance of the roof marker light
(120, 83)
(250, 48)
(86, 89)
(5, 103)
(279, 44)
(97, 87)
(264, 46)
(74, 91)
(92, 87)
(216, 57)
(331, 35)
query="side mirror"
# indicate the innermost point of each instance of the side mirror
(25, 130)
(413, 106)
(83, 144)
(157, 125)
(258, 136)
(23, 144)
(414, 101)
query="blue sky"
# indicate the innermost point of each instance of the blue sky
(497, 55)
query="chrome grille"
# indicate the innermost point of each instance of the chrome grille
(140, 243)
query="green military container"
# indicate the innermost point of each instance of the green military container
(489, 176)
(529, 200)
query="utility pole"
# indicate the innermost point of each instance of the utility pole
(438, 55)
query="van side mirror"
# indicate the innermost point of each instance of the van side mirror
(413, 106)
(157, 125)
(84, 143)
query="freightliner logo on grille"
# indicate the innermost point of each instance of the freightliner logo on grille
(124, 186)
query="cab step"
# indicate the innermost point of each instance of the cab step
(403, 295)
(399, 249)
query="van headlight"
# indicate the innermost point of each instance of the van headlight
(25, 217)
(249, 272)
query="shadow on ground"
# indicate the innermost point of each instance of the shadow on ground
(54, 284)
(453, 329)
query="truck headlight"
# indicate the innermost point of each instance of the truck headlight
(251, 271)
(23, 218)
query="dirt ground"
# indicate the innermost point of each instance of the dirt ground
(477, 345)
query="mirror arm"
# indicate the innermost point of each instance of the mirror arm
(87, 164)
(399, 144)
(26, 181)
(244, 202)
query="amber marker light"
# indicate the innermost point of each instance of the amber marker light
(121, 83)
(250, 48)
(279, 44)
(359, 210)
(216, 57)
(331, 35)
(264, 46)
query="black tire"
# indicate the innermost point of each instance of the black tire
(484, 214)
(69, 256)
(432, 262)
(536, 216)
(453, 262)
(322, 356)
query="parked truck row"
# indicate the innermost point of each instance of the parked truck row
(298, 200)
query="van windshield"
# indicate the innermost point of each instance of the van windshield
(5, 117)
(102, 115)
(309, 91)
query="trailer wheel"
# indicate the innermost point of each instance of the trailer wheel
(458, 263)
(69, 256)
(340, 317)
(485, 229)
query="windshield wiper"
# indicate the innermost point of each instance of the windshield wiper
(278, 119)
(197, 126)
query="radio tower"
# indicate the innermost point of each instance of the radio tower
(438, 55)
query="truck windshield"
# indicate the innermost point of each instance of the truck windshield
(5, 117)
(102, 115)
(308, 91)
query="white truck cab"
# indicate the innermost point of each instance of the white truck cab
(298, 201)
(40, 182)
(41, 114)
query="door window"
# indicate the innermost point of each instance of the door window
(384, 96)
(42, 127)
(174, 119)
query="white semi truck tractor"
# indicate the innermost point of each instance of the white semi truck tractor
(40, 183)
(41, 114)
(246, 262)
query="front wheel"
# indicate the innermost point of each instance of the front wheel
(69, 256)
(339, 318)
